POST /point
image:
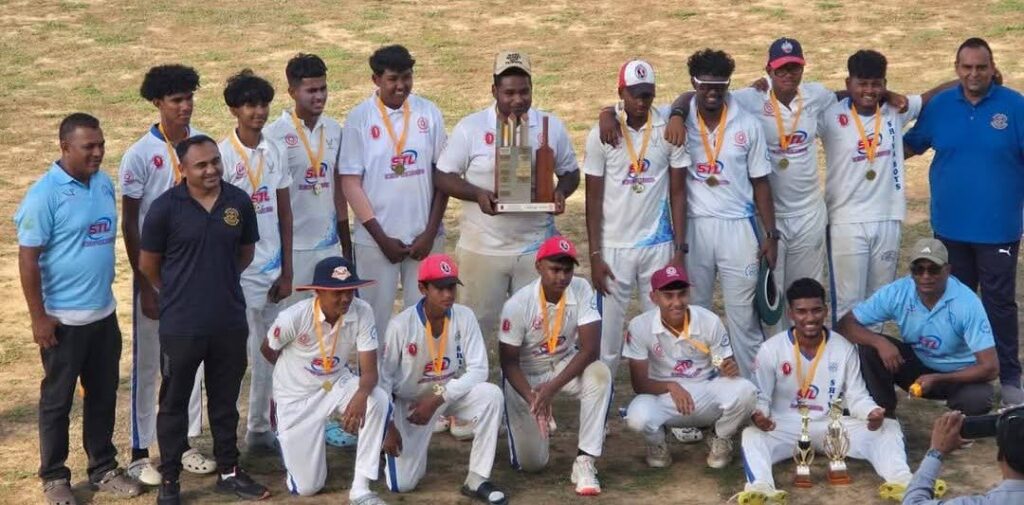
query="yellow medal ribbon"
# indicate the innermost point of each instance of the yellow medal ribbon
(551, 334)
(399, 142)
(712, 155)
(172, 154)
(776, 108)
(437, 349)
(870, 146)
(685, 333)
(636, 158)
(254, 177)
(805, 382)
(317, 160)
(327, 361)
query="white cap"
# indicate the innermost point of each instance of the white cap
(637, 75)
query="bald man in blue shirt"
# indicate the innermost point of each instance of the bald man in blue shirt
(977, 191)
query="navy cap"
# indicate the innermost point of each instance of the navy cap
(335, 273)
(783, 51)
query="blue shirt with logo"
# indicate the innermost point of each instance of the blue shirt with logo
(944, 338)
(977, 175)
(75, 226)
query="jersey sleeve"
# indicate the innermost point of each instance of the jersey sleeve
(366, 339)
(588, 312)
(283, 331)
(594, 156)
(977, 331)
(438, 136)
(719, 340)
(757, 154)
(878, 308)
(635, 347)
(350, 156)
(565, 154)
(679, 156)
(34, 220)
(133, 174)
(284, 175)
(749, 99)
(819, 97)
(858, 400)
(476, 359)
(155, 227)
(764, 379)
(913, 110)
(250, 227)
(513, 327)
(454, 159)
(919, 138)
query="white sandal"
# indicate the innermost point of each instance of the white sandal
(197, 463)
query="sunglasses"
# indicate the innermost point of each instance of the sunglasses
(709, 84)
(932, 269)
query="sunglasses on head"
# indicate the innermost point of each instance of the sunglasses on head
(931, 269)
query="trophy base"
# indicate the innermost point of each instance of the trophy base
(802, 481)
(839, 477)
(526, 207)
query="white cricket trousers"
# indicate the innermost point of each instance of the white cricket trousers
(145, 382)
(260, 317)
(528, 449)
(633, 268)
(725, 402)
(482, 405)
(882, 448)
(729, 248)
(488, 281)
(372, 264)
(862, 258)
(801, 252)
(301, 423)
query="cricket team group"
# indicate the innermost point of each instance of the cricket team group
(242, 258)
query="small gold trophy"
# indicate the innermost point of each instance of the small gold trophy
(803, 453)
(837, 444)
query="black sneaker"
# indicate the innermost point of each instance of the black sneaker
(169, 493)
(241, 485)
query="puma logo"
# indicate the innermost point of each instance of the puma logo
(1004, 251)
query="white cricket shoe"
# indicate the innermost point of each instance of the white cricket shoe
(144, 471)
(584, 475)
(441, 424)
(658, 455)
(721, 452)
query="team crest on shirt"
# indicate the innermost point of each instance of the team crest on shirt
(658, 351)
(740, 138)
(536, 323)
(375, 132)
(291, 140)
(844, 120)
(239, 169)
(1000, 121)
(231, 216)
(158, 161)
(506, 325)
(304, 339)
(412, 350)
(128, 178)
(489, 138)
(768, 109)
(787, 368)
(277, 333)
(833, 367)
(422, 124)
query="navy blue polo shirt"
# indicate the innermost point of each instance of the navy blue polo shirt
(201, 294)
(977, 175)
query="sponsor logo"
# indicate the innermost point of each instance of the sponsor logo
(685, 368)
(862, 147)
(833, 367)
(428, 369)
(796, 138)
(705, 170)
(671, 271)
(929, 344)
(291, 140)
(231, 216)
(314, 175)
(375, 132)
(99, 232)
(316, 365)
(261, 195)
(543, 348)
(812, 393)
(658, 351)
(407, 158)
(1000, 121)
(890, 256)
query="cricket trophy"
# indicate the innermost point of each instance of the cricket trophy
(803, 453)
(837, 444)
(523, 180)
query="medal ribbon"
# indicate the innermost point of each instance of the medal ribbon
(685, 334)
(638, 159)
(327, 361)
(254, 177)
(399, 142)
(712, 156)
(805, 382)
(776, 108)
(437, 349)
(317, 160)
(870, 146)
(551, 334)
(172, 154)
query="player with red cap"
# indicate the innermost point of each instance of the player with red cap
(683, 371)
(636, 204)
(549, 343)
(434, 363)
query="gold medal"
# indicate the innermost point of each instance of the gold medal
(709, 153)
(257, 207)
(638, 187)
(399, 142)
(327, 385)
(317, 188)
(785, 137)
(712, 181)
(398, 168)
(870, 175)
(716, 361)
(783, 163)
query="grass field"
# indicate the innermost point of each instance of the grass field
(62, 56)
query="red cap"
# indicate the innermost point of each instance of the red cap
(557, 246)
(668, 275)
(439, 269)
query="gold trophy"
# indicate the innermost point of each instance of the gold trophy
(523, 181)
(837, 444)
(803, 453)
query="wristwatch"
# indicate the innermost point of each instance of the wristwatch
(773, 234)
(935, 453)
(683, 248)
(439, 390)
(676, 111)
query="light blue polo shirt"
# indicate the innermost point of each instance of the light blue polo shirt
(76, 226)
(944, 338)
(977, 175)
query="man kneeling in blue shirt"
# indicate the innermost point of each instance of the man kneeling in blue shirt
(947, 349)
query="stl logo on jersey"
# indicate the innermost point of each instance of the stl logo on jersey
(428, 369)
(707, 170)
(928, 344)
(100, 232)
(685, 368)
(316, 365)
(313, 175)
(862, 148)
(812, 393)
(407, 158)
(260, 199)
(795, 139)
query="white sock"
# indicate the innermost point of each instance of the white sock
(360, 487)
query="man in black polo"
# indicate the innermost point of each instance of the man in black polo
(197, 239)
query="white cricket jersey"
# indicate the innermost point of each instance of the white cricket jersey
(796, 189)
(470, 153)
(630, 218)
(300, 369)
(406, 365)
(838, 372)
(400, 201)
(849, 195)
(315, 218)
(744, 156)
(275, 176)
(671, 358)
(147, 169)
(522, 325)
